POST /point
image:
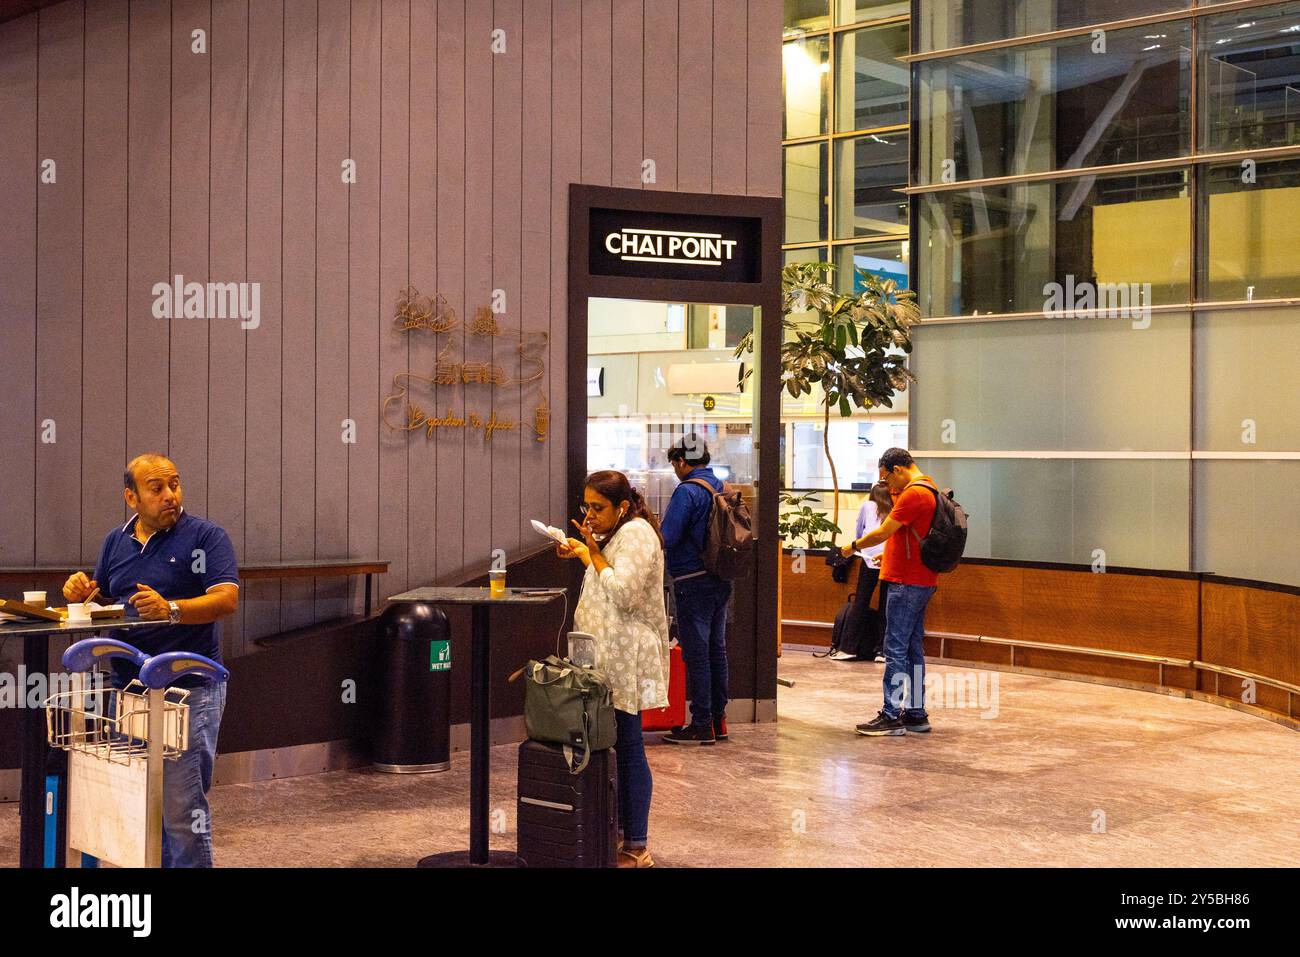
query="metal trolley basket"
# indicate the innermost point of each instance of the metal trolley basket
(117, 741)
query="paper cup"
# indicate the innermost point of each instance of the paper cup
(78, 611)
(34, 598)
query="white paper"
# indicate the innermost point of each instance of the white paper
(550, 531)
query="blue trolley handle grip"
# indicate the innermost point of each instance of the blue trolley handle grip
(82, 655)
(161, 670)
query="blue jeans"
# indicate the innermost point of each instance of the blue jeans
(187, 821)
(905, 649)
(702, 632)
(635, 784)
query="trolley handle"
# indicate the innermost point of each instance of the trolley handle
(161, 670)
(84, 654)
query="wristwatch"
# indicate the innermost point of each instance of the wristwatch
(174, 613)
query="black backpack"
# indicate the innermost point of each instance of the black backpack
(840, 629)
(942, 547)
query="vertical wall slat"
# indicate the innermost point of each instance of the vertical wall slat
(627, 80)
(695, 104)
(764, 105)
(397, 180)
(298, 389)
(104, 290)
(730, 96)
(188, 368)
(661, 86)
(263, 490)
(453, 155)
(364, 299)
(507, 197)
(58, 285)
(332, 305)
(19, 181)
(148, 342)
(537, 309)
(597, 104)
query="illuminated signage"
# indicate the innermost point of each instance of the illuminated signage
(653, 245)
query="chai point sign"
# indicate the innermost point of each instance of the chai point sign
(653, 245)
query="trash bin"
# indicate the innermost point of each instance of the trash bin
(412, 730)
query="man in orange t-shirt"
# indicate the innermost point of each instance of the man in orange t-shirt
(911, 585)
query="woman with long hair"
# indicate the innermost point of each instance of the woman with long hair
(622, 606)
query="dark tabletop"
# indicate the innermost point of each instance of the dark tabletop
(33, 627)
(475, 596)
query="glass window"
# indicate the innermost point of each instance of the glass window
(1053, 385)
(1246, 520)
(1067, 104)
(809, 254)
(872, 84)
(806, 15)
(1249, 81)
(805, 71)
(858, 11)
(1061, 510)
(888, 260)
(1056, 246)
(869, 172)
(804, 188)
(1252, 230)
(944, 24)
(1247, 365)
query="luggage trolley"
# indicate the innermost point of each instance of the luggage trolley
(117, 741)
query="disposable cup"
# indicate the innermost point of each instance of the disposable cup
(34, 598)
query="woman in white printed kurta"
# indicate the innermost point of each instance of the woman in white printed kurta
(622, 606)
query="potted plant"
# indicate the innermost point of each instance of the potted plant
(842, 342)
(804, 521)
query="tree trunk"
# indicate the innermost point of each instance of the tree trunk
(835, 482)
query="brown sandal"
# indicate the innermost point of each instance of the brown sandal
(635, 858)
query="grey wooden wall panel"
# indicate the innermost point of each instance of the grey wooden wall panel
(263, 490)
(395, 242)
(597, 92)
(453, 157)
(363, 288)
(417, 502)
(227, 238)
(535, 305)
(149, 225)
(627, 81)
(730, 95)
(18, 186)
(661, 91)
(226, 166)
(298, 424)
(566, 160)
(104, 288)
(763, 163)
(59, 341)
(190, 361)
(507, 244)
(476, 513)
(332, 280)
(695, 106)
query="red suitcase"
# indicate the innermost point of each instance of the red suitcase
(665, 719)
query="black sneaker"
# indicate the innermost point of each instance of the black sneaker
(916, 723)
(720, 728)
(692, 734)
(881, 725)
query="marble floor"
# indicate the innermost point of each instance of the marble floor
(1032, 771)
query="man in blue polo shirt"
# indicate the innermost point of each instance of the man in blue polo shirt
(179, 570)
(701, 598)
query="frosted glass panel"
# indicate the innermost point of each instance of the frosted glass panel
(1247, 519)
(1052, 384)
(1247, 370)
(1063, 510)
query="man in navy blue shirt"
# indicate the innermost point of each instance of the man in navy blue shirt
(701, 598)
(180, 571)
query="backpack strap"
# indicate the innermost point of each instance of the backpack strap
(933, 489)
(707, 487)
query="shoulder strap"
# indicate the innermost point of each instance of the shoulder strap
(707, 487)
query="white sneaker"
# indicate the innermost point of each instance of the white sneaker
(842, 656)
(880, 659)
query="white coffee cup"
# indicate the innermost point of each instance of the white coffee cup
(78, 611)
(36, 598)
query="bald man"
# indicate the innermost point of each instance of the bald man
(179, 570)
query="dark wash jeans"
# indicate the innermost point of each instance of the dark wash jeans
(635, 784)
(702, 632)
(905, 649)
